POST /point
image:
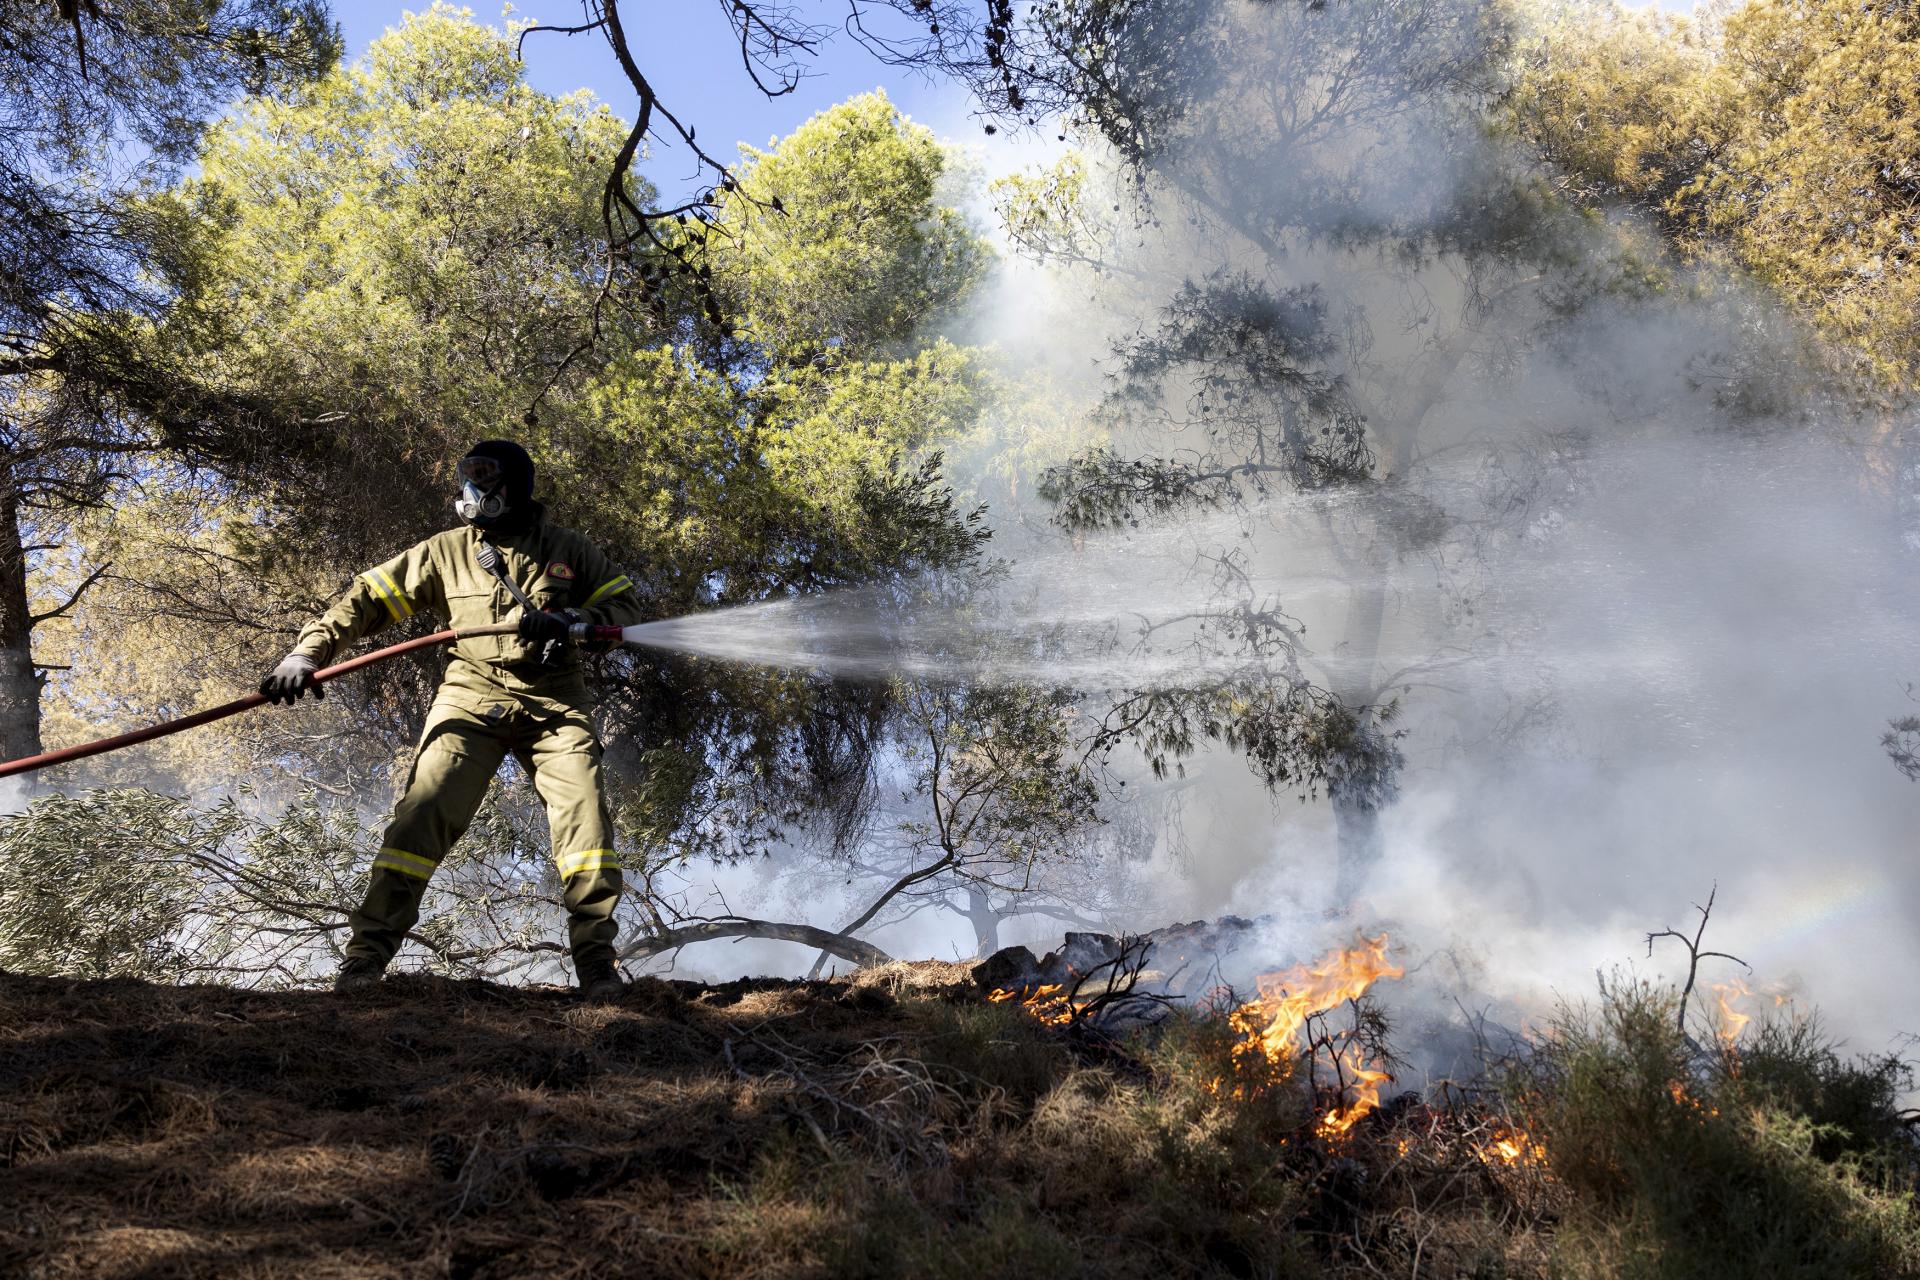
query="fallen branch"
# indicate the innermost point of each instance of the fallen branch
(677, 936)
(1118, 989)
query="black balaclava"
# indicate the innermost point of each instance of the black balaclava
(496, 490)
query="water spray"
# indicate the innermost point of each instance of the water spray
(836, 638)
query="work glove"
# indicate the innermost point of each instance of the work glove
(292, 678)
(539, 628)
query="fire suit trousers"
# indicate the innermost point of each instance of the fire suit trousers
(460, 750)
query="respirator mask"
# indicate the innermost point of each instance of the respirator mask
(483, 498)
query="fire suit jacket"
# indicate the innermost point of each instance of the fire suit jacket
(441, 577)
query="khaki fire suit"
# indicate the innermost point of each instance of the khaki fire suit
(496, 697)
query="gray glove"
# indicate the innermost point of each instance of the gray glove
(292, 678)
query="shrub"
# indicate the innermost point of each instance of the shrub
(1679, 1163)
(126, 882)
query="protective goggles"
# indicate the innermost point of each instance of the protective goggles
(482, 473)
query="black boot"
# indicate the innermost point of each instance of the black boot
(598, 979)
(358, 973)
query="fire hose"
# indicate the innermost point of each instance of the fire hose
(581, 633)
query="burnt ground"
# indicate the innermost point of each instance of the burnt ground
(429, 1128)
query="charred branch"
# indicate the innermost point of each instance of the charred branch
(520, 45)
(681, 935)
(1694, 954)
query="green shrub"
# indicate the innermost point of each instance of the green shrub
(127, 882)
(1790, 1064)
(1677, 1163)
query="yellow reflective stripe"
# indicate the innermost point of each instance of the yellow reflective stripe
(390, 594)
(400, 597)
(573, 864)
(609, 589)
(407, 864)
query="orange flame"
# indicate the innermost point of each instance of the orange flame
(1732, 1000)
(1364, 1083)
(1289, 998)
(1729, 995)
(1512, 1147)
(1043, 1002)
(1270, 1025)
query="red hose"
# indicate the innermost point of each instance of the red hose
(234, 708)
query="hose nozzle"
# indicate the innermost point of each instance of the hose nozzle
(588, 633)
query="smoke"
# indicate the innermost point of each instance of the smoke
(1715, 633)
(1654, 645)
(1646, 587)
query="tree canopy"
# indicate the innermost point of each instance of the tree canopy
(97, 108)
(1779, 135)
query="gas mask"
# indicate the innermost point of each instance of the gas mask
(483, 495)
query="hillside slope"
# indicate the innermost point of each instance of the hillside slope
(893, 1124)
(430, 1128)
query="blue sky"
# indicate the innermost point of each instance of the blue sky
(686, 50)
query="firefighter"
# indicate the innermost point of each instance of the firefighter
(521, 693)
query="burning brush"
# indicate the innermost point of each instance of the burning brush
(1274, 1032)
(1092, 982)
(1284, 1024)
(1048, 1003)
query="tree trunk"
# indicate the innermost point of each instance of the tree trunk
(1356, 808)
(1356, 833)
(985, 921)
(1358, 843)
(19, 684)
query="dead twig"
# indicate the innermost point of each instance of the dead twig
(1119, 991)
(1694, 954)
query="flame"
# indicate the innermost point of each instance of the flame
(1512, 1146)
(1289, 998)
(1269, 1026)
(1731, 999)
(1044, 1002)
(1364, 1083)
(1728, 996)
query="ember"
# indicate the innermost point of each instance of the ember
(1685, 1099)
